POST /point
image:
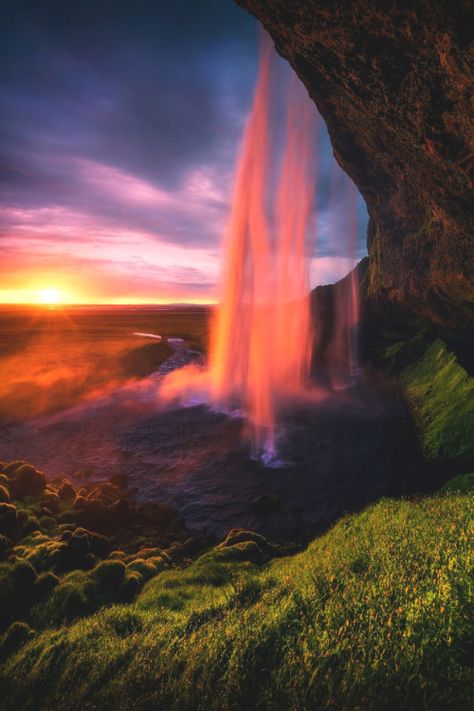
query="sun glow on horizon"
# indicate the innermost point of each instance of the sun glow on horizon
(50, 296)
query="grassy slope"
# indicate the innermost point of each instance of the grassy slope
(377, 613)
(440, 395)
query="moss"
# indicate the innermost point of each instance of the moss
(17, 634)
(131, 586)
(5, 544)
(246, 550)
(145, 567)
(47, 523)
(44, 584)
(7, 518)
(109, 573)
(28, 481)
(462, 483)
(66, 602)
(441, 397)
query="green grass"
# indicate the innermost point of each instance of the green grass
(441, 396)
(375, 614)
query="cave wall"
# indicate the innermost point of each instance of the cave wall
(394, 83)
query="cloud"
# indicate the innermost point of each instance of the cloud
(120, 128)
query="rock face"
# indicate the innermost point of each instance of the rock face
(394, 83)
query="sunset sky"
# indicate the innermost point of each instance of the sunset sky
(120, 127)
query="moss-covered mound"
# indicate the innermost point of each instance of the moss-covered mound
(66, 552)
(376, 614)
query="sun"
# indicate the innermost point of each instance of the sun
(50, 296)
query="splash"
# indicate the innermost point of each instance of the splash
(260, 343)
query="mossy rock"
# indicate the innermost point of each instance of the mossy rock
(52, 502)
(131, 586)
(28, 481)
(26, 522)
(145, 567)
(11, 468)
(462, 483)
(148, 553)
(44, 584)
(7, 518)
(23, 574)
(66, 492)
(15, 637)
(67, 602)
(47, 523)
(5, 544)
(4, 494)
(178, 552)
(244, 551)
(240, 535)
(109, 573)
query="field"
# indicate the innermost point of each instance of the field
(51, 358)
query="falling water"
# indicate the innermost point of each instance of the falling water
(342, 351)
(261, 338)
(260, 343)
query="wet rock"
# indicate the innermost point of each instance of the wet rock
(266, 503)
(120, 511)
(119, 480)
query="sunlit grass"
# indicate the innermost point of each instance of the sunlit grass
(375, 614)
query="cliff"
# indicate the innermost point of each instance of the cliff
(393, 81)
